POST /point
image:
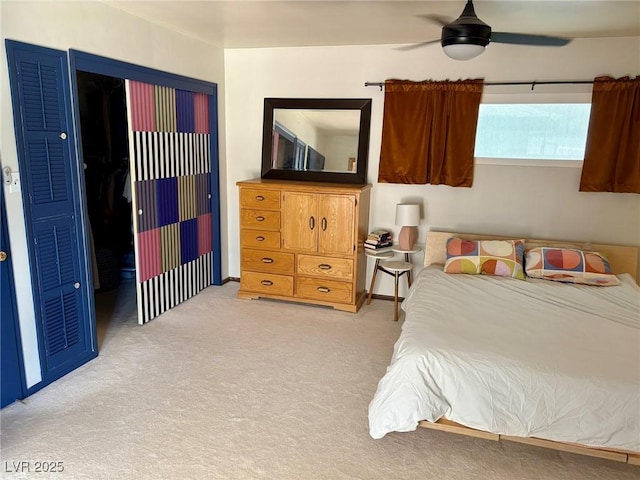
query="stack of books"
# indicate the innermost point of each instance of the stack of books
(379, 240)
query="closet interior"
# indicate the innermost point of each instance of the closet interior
(105, 147)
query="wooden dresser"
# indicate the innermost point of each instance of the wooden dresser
(304, 242)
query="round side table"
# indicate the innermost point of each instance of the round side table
(379, 256)
(407, 257)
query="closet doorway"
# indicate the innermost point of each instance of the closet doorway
(161, 129)
(104, 135)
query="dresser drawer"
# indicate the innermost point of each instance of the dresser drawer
(265, 261)
(325, 267)
(323, 289)
(267, 283)
(260, 199)
(259, 239)
(263, 219)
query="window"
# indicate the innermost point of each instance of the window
(539, 131)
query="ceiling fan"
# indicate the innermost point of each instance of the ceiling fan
(467, 36)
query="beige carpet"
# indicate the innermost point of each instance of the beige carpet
(221, 388)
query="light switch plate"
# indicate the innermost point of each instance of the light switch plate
(14, 187)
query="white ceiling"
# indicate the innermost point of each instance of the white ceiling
(273, 23)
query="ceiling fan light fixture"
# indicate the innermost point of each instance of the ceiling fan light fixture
(465, 38)
(463, 51)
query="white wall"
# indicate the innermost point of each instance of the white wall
(102, 30)
(299, 125)
(537, 201)
(338, 149)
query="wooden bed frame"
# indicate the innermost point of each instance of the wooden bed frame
(622, 259)
(624, 456)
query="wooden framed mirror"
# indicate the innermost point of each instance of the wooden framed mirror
(316, 139)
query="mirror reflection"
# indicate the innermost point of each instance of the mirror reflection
(315, 140)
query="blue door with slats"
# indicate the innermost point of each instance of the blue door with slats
(41, 101)
(11, 369)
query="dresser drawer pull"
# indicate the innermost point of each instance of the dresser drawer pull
(260, 218)
(312, 223)
(267, 260)
(324, 289)
(259, 198)
(324, 223)
(260, 238)
(266, 283)
(324, 266)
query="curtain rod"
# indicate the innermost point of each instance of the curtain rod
(533, 83)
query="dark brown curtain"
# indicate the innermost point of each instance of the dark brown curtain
(612, 155)
(429, 132)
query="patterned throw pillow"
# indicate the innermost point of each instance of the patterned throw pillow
(502, 258)
(569, 265)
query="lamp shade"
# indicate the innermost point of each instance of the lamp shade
(408, 214)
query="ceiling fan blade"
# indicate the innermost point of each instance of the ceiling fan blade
(441, 20)
(525, 39)
(416, 45)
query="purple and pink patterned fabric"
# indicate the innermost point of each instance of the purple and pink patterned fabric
(171, 172)
(569, 265)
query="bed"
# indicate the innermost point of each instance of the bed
(543, 362)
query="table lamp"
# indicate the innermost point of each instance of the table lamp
(408, 216)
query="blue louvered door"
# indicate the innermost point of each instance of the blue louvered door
(11, 369)
(50, 184)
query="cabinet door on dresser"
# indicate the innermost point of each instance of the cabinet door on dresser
(300, 221)
(337, 214)
(319, 223)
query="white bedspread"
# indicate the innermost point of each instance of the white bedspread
(524, 358)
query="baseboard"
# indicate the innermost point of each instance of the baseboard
(230, 279)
